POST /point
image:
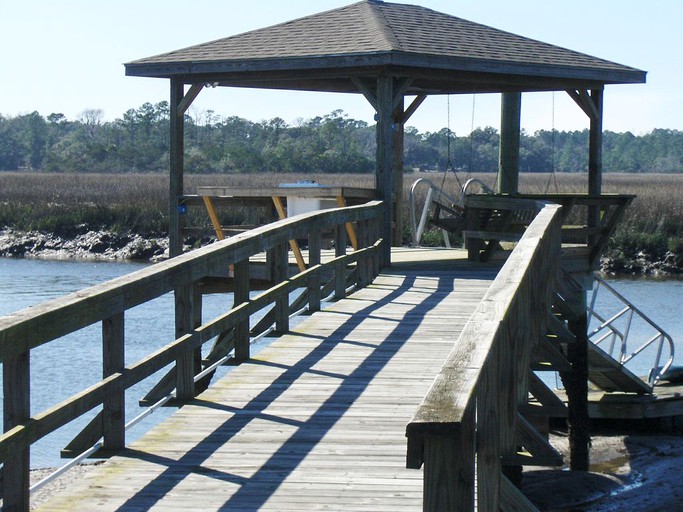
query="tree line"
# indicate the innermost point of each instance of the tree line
(334, 143)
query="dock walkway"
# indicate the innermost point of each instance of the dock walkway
(314, 421)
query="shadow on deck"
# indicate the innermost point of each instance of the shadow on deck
(315, 420)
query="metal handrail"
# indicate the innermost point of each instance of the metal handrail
(608, 330)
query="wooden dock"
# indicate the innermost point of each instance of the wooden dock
(314, 421)
(427, 365)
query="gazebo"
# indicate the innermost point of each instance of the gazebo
(387, 52)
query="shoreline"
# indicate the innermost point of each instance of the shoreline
(104, 245)
(87, 245)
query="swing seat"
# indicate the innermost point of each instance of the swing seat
(448, 217)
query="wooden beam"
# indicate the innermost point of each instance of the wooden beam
(512, 499)
(585, 102)
(414, 105)
(367, 91)
(188, 98)
(215, 221)
(401, 85)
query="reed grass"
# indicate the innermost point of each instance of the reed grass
(69, 203)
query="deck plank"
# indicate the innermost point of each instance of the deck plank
(314, 421)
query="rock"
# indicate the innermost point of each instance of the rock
(83, 244)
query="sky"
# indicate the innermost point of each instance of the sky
(67, 56)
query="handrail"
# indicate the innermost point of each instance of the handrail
(468, 418)
(609, 329)
(107, 303)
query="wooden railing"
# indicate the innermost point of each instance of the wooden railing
(587, 224)
(470, 418)
(108, 302)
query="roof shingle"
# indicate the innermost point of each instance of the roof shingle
(399, 33)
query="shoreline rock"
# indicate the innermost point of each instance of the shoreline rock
(642, 264)
(107, 245)
(99, 245)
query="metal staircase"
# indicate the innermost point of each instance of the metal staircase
(612, 336)
(611, 339)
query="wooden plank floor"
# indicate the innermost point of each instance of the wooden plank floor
(315, 421)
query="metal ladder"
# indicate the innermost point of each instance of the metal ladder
(613, 333)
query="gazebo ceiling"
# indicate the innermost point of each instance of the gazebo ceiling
(331, 51)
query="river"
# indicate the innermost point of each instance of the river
(70, 364)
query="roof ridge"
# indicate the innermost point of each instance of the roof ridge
(381, 25)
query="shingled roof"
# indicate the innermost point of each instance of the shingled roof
(442, 53)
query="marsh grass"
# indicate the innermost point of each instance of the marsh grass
(69, 203)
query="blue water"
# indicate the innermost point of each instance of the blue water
(66, 366)
(24, 283)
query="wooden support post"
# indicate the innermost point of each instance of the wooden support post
(177, 148)
(17, 410)
(242, 295)
(576, 386)
(398, 129)
(384, 176)
(508, 168)
(339, 268)
(113, 359)
(280, 269)
(595, 159)
(184, 322)
(179, 104)
(449, 469)
(595, 146)
(314, 249)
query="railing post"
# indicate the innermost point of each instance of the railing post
(197, 305)
(17, 409)
(241, 295)
(490, 404)
(363, 263)
(314, 248)
(184, 321)
(281, 273)
(376, 235)
(449, 469)
(340, 268)
(113, 361)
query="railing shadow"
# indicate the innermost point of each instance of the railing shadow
(258, 488)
